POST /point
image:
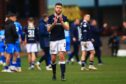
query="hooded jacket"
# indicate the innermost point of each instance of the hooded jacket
(43, 34)
(10, 32)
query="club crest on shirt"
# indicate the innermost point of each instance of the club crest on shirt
(85, 25)
(84, 30)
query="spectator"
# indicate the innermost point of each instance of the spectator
(75, 41)
(114, 43)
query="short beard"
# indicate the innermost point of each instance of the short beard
(58, 13)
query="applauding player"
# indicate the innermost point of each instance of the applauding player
(57, 23)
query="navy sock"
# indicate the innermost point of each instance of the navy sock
(42, 58)
(63, 68)
(82, 63)
(91, 63)
(54, 69)
(6, 67)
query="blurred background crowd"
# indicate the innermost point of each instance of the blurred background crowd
(110, 15)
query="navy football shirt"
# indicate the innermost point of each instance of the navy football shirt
(31, 35)
(57, 33)
(86, 31)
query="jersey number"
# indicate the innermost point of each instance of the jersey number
(31, 33)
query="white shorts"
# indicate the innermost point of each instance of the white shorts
(57, 46)
(87, 46)
(31, 47)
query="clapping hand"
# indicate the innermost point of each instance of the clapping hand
(55, 20)
(61, 19)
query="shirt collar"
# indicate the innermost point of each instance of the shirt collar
(85, 21)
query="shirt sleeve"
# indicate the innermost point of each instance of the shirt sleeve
(65, 19)
(20, 29)
(21, 32)
(14, 31)
(50, 20)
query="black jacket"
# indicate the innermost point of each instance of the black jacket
(10, 32)
(43, 34)
(74, 31)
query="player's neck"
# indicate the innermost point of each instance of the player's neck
(57, 15)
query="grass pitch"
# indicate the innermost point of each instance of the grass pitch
(113, 71)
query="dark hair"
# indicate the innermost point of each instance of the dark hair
(31, 19)
(44, 15)
(10, 14)
(60, 4)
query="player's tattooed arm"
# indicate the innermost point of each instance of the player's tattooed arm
(51, 26)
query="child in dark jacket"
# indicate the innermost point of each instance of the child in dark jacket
(44, 43)
(114, 43)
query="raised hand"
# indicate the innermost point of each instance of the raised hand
(55, 20)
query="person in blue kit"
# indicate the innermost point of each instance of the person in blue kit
(11, 37)
(86, 44)
(114, 43)
(44, 43)
(75, 41)
(2, 46)
(68, 41)
(16, 60)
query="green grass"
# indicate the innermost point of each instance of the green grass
(112, 72)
